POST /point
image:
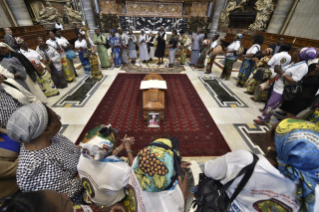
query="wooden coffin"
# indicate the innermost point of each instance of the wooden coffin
(153, 99)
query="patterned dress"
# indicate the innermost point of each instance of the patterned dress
(102, 50)
(251, 82)
(183, 52)
(116, 52)
(8, 105)
(202, 56)
(53, 168)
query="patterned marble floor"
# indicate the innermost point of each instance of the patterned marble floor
(231, 109)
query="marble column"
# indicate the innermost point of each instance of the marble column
(219, 6)
(281, 12)
(20, 12)
(89, 14)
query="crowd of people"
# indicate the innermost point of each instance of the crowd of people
(42, 170)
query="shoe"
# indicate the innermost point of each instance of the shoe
(207, 72)
(144, 61)
(260, 122)
(261, 110)
(191, 65)
(150, 59)
(280, 115)
(259, 117)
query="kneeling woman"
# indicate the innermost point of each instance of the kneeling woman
(47, 159)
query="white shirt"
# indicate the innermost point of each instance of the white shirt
(82, 44)
(143, 37)
(59, 26)
(62, 41)
(161, 33)
(254, 49)
(32, 55)
(283, 59)
(295, 71)
(233, 46)
(164, 201)
(214, 44)
(57, 46)
(106, 178)
(266, 182)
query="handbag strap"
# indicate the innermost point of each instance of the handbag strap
(247, 170)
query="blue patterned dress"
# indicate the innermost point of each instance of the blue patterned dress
(116, 52)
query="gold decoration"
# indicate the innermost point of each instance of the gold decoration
(108, 22)
(72, 13)
(154, 9)
(198, 22)
(264, 10)
(49, 14)
(107, 6)
(199, 9)
(95, 71)
(224, 15)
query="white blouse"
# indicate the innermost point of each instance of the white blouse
(78, 44)
(254, 49)
(63, 42)
(32, 55)
(57, 46)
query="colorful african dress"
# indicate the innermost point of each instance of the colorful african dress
(102, 50)
(183, 52)
(85, 62)
(251, 82)
(228, 67)
(116, 52)
(245, 71)
(46, 83)
(68, 70)
(202, 56)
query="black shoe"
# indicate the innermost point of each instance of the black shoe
(144, 61)
(151, 59)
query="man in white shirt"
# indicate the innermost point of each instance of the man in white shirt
(58, 25)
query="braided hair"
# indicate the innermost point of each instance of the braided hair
(28, 202)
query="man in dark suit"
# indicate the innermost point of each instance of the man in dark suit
(276, 47)
(9, 40)
(78, 29)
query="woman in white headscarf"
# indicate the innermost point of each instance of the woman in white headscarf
(143, 47)
(47, 160)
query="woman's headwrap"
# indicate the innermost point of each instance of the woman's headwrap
(82, 33)
(206, 42)
(269, 51)
(308, 53)
(158, 165)
(99, 142)
(28, 122)
(113, 30)
(239, 36)
(19, 40)
(6, 46)
(297, 147)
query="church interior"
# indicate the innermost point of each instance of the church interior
(159, 105)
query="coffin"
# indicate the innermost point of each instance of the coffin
(153, 99)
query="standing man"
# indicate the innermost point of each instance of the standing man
(123, 47)
(276, 47)
(197, 40)
(161, 45)
(78, 29)
(10, 41)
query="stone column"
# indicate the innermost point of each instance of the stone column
(280, 14)
(219, 6)
(89, 14)
(20, 12)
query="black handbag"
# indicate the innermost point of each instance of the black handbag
(107, 45)
(211, 195)
(85, 55)
(292, 92)
(262, 74)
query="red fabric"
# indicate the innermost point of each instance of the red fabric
(185, 116)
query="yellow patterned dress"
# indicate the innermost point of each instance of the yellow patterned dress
(46, 83)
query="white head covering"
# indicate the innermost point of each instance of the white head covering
(28, 122)
(82, 33)
(6, 46)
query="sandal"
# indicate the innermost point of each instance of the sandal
(260, 122)
(253, 99)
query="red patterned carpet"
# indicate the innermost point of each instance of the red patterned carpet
(185, 116)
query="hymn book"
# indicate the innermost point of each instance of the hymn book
(153, 84)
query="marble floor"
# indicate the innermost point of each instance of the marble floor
(77, 103)
(230, 118)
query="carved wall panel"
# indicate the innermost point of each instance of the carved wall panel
(152, 23)
(154, 9)
(199, 8)
(107, 6)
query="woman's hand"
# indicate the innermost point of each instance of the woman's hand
(127, 142)
(115, 208)
(279, 70)
(185, 165)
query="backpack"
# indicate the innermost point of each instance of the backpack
(211, 195)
